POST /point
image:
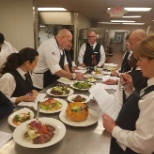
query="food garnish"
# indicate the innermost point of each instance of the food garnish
(20, 118)
(50, 105)
(39, 133)
(60, 90)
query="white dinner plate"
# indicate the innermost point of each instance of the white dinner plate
(64, 80)
(78, 88)
(70, 93)
(91, 80)
(91, 119)
(60, 131)
(82, 68)
(69, 98)
(23, 110)
(64, 105)
(97, 76)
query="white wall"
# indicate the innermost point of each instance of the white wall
(17, 22)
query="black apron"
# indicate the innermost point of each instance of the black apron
(127, 118)
(49, 78)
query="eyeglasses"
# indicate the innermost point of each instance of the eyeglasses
(91, 36)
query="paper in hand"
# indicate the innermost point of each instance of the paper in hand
(106, 102)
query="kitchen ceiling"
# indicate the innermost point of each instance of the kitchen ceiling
(96, 10)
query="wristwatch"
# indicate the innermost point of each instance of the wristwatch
(73, 76)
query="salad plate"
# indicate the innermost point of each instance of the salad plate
(59, 133)
(51, 105)
(91, 119)
(63, 94)
(20, 116)
(83, 98)
(81, 85)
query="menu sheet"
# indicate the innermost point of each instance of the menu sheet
(105, 101)
(40, 97)
(4, 138)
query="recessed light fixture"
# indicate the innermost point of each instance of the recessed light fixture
(133, 23)
(121, 21)
(51, 9)
(136, 9)
(108, 23)
(131, 16)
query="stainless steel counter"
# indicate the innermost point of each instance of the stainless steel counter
(87, 140)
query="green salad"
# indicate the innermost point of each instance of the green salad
(82, 85)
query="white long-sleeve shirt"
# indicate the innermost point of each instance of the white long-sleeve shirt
(49, 57)
(142, 139)
(82, 52)
(6, 50)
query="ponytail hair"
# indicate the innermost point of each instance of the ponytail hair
(15, 60)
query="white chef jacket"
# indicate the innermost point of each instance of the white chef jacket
(6, 50)
(82, 52)
(141, 140)
(8, 84)
(49, 57)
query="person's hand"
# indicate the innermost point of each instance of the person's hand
(114, 73)
(74, 68)
(79, 76)
(110, 82)
(82, 65)
(108, 123)
(34, 93)
(127, 82)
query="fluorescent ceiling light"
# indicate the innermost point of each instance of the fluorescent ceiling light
(131, 16)
(133, 23)
(136, 9)
(121, 21)
(108, 23)
(51, 9)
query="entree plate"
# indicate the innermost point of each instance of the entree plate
(63, 102)
(83, 89)
(64, 80)
(59, 133)
(82, 68)
(69, 98)
(97, 76)
(23, 110)
(71, 91)
(91, 119)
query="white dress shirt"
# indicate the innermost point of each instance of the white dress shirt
(141, 140)
(8, 84)
(6, 50)
(82, 52)
(49, 57)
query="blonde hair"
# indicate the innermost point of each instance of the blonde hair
(145, 48)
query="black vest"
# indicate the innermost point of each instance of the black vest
(22, 87)
(127, 118)
(87, 59)
(69, 59)
(6, 107)
(125, 67)
(48, 78)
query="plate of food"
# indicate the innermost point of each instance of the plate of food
(97, 74)
(78, 98)
(87, 75)
(78, 114)
(59, 91)
(39, 134)
(20, 116)
(81, 85)
(51, 105)
(91, 79)
(82, 68)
